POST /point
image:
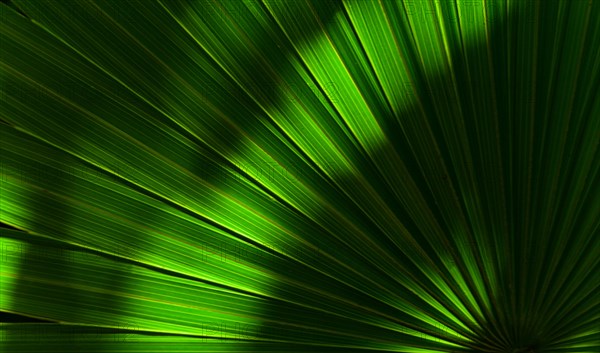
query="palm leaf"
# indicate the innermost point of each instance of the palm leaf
(266, 176)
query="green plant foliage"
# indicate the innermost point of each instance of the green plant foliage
(300, 175)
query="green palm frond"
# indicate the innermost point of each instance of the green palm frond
(300, 175)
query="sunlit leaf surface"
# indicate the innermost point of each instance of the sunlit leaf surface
(300, 176)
